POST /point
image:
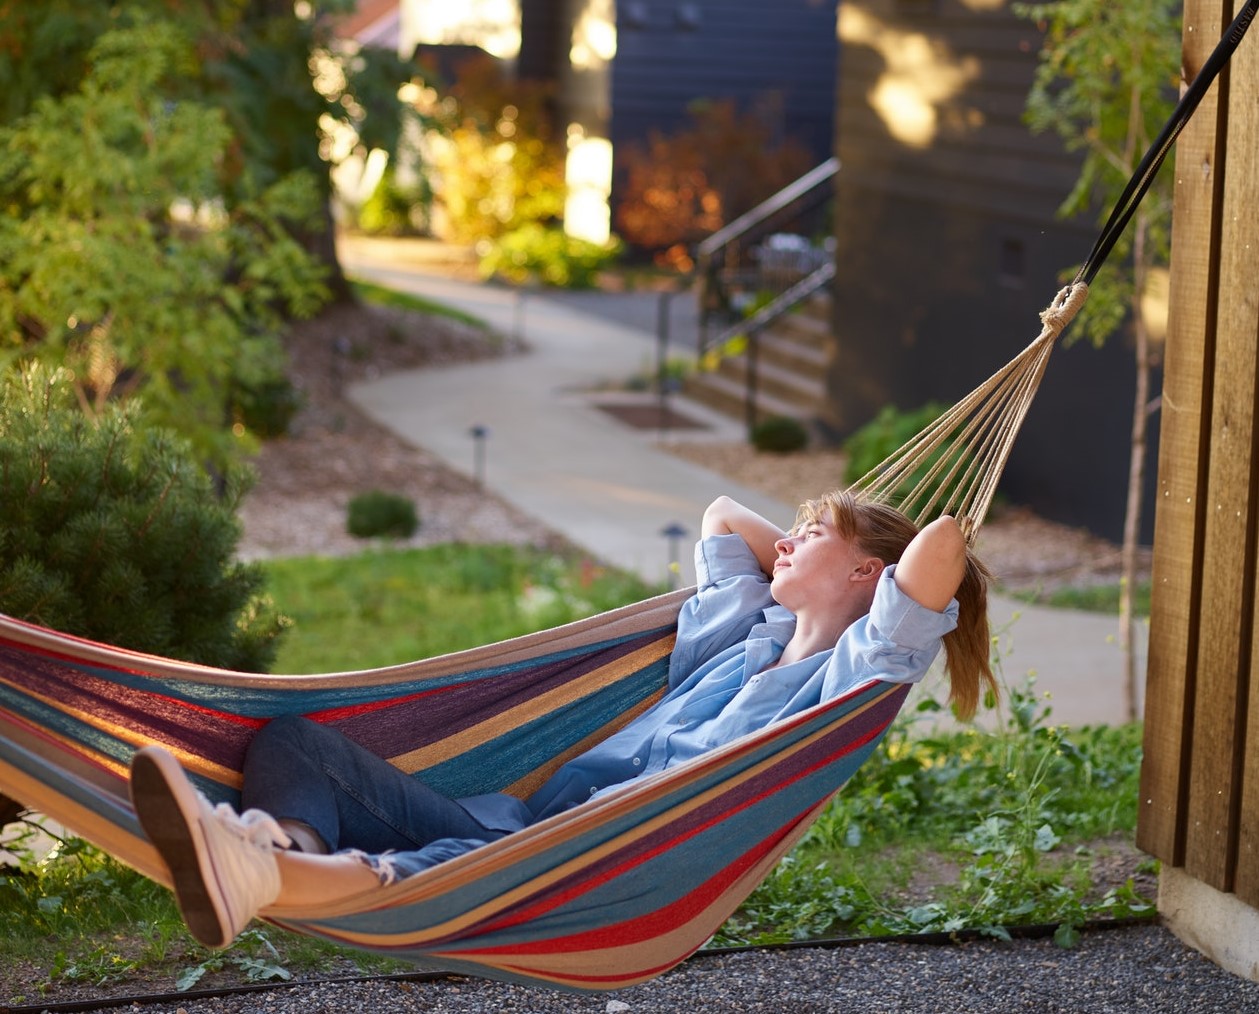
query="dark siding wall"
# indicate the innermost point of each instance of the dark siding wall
(671, 53)
(543, 25)
(947, 254)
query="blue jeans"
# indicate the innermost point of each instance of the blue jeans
(296, 769)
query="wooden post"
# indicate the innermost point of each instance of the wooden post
(1199, 806)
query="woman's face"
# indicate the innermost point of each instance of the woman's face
(816, 563)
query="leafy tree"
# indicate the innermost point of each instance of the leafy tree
(1106, 83)
(163, 197)
(293, 92)
(679, 188)
(120, 259)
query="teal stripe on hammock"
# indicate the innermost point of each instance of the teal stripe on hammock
(63, 784)
(85, 736)
(503, 761)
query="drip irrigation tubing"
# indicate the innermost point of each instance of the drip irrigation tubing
(1036, 931)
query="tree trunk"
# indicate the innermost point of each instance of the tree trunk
(1136, 470)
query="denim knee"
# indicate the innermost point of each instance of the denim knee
(281, 737)
(283, 772)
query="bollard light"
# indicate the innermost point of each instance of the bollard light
(479, 434)
(674, 533)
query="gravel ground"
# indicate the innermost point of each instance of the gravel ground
(1125, 971)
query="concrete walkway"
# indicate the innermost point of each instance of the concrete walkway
(553, 451)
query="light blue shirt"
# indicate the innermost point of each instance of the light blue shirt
(729, 632)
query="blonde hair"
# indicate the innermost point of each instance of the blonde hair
(884, 532)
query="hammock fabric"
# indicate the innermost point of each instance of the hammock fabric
(607, 895)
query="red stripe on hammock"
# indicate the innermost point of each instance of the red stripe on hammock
(646, 924)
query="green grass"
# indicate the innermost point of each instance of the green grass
(384, 607)
(1097, 598)
(382, 296)
(1101, 598)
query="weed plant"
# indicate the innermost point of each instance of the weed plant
(948, 828)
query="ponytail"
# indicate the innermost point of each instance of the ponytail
(967, 657)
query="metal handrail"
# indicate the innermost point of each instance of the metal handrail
(769, 207)
(720, 268)
(751, 328)
(781, 304)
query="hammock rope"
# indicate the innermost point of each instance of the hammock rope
(953, 465)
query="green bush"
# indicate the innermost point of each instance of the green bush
(780, 434)
(377, 513)
(548, 255)
(391, 210)
(111, 531)
(267, 407)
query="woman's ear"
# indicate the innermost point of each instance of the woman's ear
(868, 569)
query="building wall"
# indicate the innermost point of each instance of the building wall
(671, 53)
(949, 247)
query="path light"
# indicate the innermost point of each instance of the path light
(674, 533)
(479, 433)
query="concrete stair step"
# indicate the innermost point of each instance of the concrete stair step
(727, 394)
(805, 329)
(792, 386)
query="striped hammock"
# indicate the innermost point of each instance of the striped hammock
(606, 895)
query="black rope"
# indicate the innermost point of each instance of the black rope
(1149, 166)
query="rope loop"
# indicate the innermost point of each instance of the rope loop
(1058, 314)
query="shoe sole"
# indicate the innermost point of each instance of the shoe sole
(170, 812)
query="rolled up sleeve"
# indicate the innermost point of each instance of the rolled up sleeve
(731, 598)
(896, 641)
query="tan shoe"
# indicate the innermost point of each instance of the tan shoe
(222, 864)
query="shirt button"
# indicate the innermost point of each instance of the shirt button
(638, 762)
(594, 789)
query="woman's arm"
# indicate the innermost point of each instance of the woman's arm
(933, 564)
(725, 516)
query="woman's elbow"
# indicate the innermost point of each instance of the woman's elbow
(717, 515)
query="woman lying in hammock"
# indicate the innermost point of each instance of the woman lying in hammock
(779, 622)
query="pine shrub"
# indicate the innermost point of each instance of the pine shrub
(113, 532)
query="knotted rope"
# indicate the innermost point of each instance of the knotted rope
(952, 466)
(965, 450)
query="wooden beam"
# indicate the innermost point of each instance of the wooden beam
(1239, 316)
(1183, 458)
